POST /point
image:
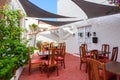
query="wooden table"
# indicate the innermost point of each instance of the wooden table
(99, 52)
(46, 53)
(42, 53)
(113, 67)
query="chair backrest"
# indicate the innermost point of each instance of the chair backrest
(94, 54)
(63, 50)
(85, 45)
(105, 48)
(51, 45)
(114, 54)
(96, 70)
(64, 44)
(51, 56)
(62, 47)
(61, 44)
(82, 52)
(45, 45)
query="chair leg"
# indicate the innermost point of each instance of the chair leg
(61, 63)
(64, 64)
(86, 67)
(29, 69)
(57, 71)
(48, 72)
(80, 65)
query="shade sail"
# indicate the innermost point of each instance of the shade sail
(96, 10)
(59, 23)
(34, 11)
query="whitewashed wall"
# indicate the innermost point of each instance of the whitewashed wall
(69, 8)
(47, 37)
(107, 28)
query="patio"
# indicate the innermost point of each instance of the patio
(71, 72)
(105, 26)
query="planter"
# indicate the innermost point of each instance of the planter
(17, 74)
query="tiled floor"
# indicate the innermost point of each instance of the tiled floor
(71, 72)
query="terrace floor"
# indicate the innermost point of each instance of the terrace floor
(71, 72)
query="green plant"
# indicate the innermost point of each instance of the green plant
(13, 50)
(32, 49)
(34, 29)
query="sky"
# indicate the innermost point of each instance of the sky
(48, 5)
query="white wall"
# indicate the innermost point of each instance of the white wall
(15, 4)
(107, 30)
(69, 8)
(47, 37)
(72, 43)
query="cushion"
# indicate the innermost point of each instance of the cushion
(34, 61)
(46, 62)
(104, 60)
(102, 57)
(59, 58)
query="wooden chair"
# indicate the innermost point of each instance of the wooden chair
(104, 49)
(39, 45)
(51, 45)
(45, 46)
(33, 63)
(85, 45)
(86, 50)
(51, 63)
(62, 44)
(61, 55)
(94, 54)
(113, 56)
(96, 70)
(83, 57)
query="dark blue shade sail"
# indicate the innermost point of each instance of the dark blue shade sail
(96, 10)
(34, 11)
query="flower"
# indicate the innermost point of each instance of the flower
(116, 2)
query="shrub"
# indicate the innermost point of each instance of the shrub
(13, 52)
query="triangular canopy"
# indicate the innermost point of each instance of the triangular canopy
(59, 23)
(34, 11)
(96, 10)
